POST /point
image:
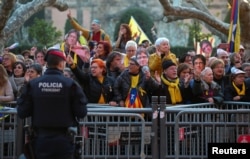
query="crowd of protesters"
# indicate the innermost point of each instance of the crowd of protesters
(129, 73)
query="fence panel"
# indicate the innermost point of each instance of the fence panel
(8, 133)
(114, 135)
(212, 126)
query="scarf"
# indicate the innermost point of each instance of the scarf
(126, 61)
(240, 92)
(133, 100)
(173, 89)
(101, 99)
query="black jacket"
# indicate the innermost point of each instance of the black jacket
(93, 88)
(199, 92)
(230, 92)
(123, 85)
(52, 100)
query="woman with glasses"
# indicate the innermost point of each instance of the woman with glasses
(96, 84)
(8, 60)
(219, 76)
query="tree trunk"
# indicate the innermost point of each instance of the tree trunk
(20, 13)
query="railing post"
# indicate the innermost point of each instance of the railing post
(19, 137)
(154, 133)
(162, 127)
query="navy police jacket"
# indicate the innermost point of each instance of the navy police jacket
(52, 100)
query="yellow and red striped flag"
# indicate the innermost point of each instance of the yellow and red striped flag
(138, 34)
(234, 30)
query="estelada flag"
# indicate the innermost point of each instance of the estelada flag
(234, 30)
(138, 34)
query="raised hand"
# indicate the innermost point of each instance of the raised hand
(69, 14)
(69, 60)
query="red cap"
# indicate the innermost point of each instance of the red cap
(58, 53)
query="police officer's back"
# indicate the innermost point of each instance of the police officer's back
(54, 102)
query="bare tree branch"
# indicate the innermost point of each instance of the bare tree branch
(61, 5)
(201, 15)
(21, 12)
(6, 8)
(25, 11)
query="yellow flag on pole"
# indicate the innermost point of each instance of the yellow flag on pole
(138, 34)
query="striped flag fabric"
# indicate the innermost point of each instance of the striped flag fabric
(234, 30)
(138, 34)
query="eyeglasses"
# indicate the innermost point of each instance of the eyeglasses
(19, 67)
(6, 59)
(93, 67)
(131, 50)
(219, 68)
(224, 57)
(198, 63)
(142, 57)
(132, 64)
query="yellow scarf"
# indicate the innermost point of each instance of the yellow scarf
(174, 91)
(134, 81)
(240, 92)
(126, 61)
(101, 99)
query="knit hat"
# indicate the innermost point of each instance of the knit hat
(134, 59)
(96, 21)
(236, 71)
(167, 63)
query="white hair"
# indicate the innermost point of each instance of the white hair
(161, 40)
(221, 52)
(203, 72)
(131, 43)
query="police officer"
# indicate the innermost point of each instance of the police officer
(54, 102)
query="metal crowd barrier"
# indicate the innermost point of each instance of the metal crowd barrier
(187, 129)
(113, 135)
(159, 132)
(194, 129)
(10, 134)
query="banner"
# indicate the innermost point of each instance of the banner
(234, 30)
(138, 34)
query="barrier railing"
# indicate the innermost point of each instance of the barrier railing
(194, 129)
(159, 132)
(113, 135)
